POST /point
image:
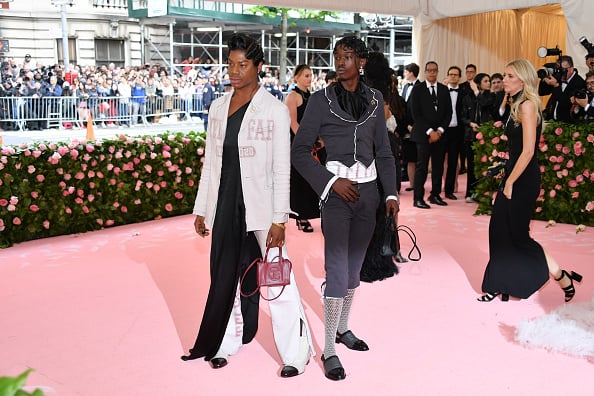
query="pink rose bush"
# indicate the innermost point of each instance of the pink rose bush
(49, 189)
(566, 155)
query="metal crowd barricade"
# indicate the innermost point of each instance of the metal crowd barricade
(33, 113)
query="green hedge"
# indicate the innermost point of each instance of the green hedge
(49, 189)
(566, 156)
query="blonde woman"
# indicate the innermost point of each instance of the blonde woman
(518, 265)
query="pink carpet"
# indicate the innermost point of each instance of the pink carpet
(110, 312)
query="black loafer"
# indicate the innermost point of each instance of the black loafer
(436, 199)
(451, 196)
(289, 371)
(421, 204)
(351, 341)
(333, 368)
(218, 362)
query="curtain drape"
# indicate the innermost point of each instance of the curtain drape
(490, 40)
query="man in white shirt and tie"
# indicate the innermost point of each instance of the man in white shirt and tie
(409, 148)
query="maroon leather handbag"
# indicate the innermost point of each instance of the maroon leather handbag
(273, 272)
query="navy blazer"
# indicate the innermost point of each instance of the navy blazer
(424, 114)
(346, 140)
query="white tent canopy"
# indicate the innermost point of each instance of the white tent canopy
(434, 39)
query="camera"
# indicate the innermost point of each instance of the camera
(583, 93)
(553, 69)
(587, 45)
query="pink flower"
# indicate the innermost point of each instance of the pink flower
(166, 148)
(2, 227)
(36, 153)
(557, 186)
(31, 169)
(188, 170)
(160, 173)
(78, 201)
(158, 140)
(60, 171)
(552, 193)
(3, 202)
(71, 190)
(67, 176)
(570, 164)
(90, 148)
(200, 151)
(16, 221)
(572, 183)
(558, 147)
(148, 168)
(74, 154)
(544, 148)
(539, 209)
(565, 150)
(46, 224)
(168, 207)
(590, 206)
(178, 195)
(62, 151)
(191, 183)
(91, 185)
(79, 176)
(484, 158)
(112, 182)
(166, 154)
(90, 197)
(575, 194)
(109, 223)
(116, 204)
(136, 161)
(14, 200)
(558, 131)
(85, 209)
(91, 174)
(565, 172)
(156, 187)
(11, 208)
(590, 138)
(498, 124)
(137, 202)
(116, 170)
(576, 135)
(495, 140)
(552, 158)
(124, 209)
(579, 178)
(34, 208)
(149, 185)
(163, 184)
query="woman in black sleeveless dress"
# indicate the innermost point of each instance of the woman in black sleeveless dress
(304, 201)
(518, 265)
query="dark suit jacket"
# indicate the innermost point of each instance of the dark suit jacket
(424, 114)
(561, 98)
(346, 140)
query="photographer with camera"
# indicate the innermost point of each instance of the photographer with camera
(584, 101)
(561, 81)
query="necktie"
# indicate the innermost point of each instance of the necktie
(454, 89)
(433, 92)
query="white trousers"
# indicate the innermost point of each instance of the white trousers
(293, 343)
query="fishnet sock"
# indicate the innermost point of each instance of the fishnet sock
(332, 309)
(343, 323)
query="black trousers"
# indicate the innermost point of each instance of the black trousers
(454, 144)
(435, 152)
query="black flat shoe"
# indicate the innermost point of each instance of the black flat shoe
(436, 199)
(351, 341)
(218, 362)
(409, 188)
(289, 371)
(333, 368)
(451, 196)
(421, 204)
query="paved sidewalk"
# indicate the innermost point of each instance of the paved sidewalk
(66, 135)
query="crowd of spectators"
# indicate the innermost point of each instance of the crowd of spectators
(118, 96)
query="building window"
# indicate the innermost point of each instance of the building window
(72, 56)
(109, 51)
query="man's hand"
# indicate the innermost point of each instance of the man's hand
(552, 81)
(392, 207)
(345, 190)
(276, 236)
(200, 226)
(434, 136)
